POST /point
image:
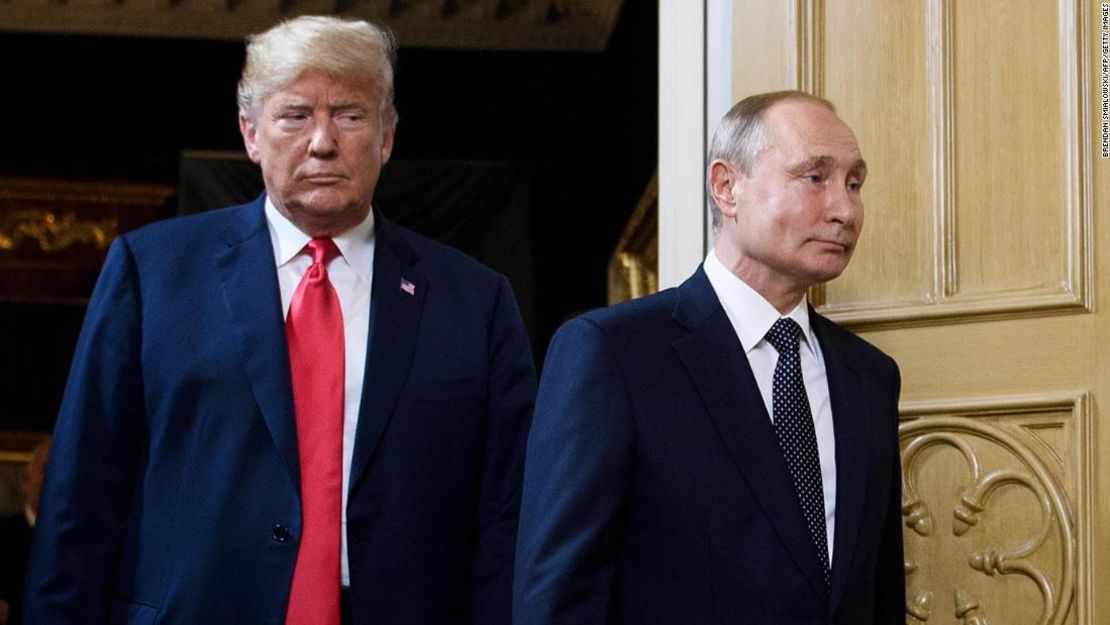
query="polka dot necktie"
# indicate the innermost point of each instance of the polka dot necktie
(797, 438)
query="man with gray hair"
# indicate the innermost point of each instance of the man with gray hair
(719, 452)
(291, 411)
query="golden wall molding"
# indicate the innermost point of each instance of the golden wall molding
(633, 267)
(952, 295)
(578, 25)
(997, 509)
(54, 233)
(17, 446)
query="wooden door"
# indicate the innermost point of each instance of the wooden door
(979, 271)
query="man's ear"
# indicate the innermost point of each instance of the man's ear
(387, 141)
(723, 178)
(249, 132)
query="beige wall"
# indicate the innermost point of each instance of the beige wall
(978, 272)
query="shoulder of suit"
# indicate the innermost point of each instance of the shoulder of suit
(438, 258)
(850, 340)
(635, 316)
(430, 250)
(185, 230)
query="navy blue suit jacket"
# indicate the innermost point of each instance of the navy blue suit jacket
(655, 490)
(171, 495)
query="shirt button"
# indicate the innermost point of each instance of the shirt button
(282, 534)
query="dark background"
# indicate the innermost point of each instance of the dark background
(581, 126)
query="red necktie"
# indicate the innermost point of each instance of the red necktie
(314, 330)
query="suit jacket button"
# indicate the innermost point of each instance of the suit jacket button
(282, 534)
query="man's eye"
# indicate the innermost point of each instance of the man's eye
(814, 178)
(854, 184)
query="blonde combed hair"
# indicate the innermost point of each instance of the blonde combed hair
(345, 48)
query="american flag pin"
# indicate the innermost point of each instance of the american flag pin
(407, 286)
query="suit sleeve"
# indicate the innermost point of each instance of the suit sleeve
(512, 390)
(890, 591)
(576, 484)
(91, 471)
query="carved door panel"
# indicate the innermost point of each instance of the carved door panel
(982, 125)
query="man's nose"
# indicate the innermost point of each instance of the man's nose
(844, 206)
(323, 142)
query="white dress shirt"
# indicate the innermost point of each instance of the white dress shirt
(752, 317)
(351, 274)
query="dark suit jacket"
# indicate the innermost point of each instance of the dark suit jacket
(655, 490)
(15, 545)
(171, 495)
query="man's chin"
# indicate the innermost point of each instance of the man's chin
(827, 269)
(826, 275)
(325, 216)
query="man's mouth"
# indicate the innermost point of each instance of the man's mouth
(834, 244)
(323, 178)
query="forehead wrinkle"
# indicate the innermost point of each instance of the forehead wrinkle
(292, 103)
(822, 161)
(289, 100)
(286, 101)
(347, 104)
(813, 162)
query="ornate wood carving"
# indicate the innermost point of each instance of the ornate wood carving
(995, 523)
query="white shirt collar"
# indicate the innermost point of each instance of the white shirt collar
(355, 245)
(751, 315)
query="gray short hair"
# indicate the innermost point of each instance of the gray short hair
(742, 135)
(338, 46)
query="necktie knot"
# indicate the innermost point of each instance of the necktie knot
(783, 336)
(322, 249)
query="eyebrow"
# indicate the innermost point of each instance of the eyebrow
(344, 105)
(294, 104)
(822, 161)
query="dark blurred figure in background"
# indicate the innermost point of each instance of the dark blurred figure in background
(15, 537)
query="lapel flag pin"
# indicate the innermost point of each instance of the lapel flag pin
(407, 286)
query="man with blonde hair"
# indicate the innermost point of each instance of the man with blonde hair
(291, 411)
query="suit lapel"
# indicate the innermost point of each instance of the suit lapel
(851, 425)
(719, 368)
(250, 289)
(396, 301)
